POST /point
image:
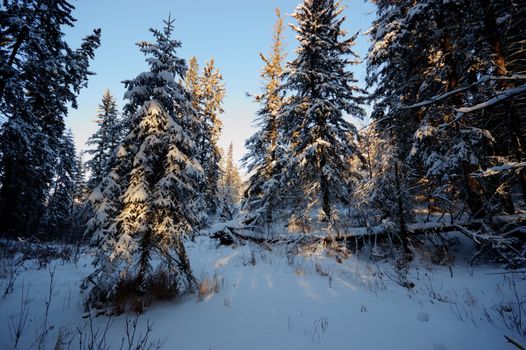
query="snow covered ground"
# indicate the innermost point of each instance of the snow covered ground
(262, 300)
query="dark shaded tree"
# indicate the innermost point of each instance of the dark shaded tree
(40, 76)
(59, 217)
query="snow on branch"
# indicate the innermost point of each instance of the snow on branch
(440, 97)
(482, 80)
(500, 96)
(512, 77)
(500, 169)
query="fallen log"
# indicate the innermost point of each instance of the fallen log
(232, 234)
(501, 236)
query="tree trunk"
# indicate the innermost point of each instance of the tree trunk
(324, 187)
(401, 211)
(474, 192)
(20, 39)
(145, 258)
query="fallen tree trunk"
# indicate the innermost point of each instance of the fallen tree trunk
(231, 233)
(502, 235)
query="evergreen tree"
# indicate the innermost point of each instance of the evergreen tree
(193, 83)
(382, 194)
(81, 188)
(323, 91)
(152, 196)
(207, 92)
(40, 77)
(104, 140)
(498, 41)
(428, 59)
(212, 92)
(59, 212)
(230, 184)
(265, 152)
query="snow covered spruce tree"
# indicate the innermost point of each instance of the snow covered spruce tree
(152, 197)
(396, 70)
(104, 140)
(265, 155)
(322, 93)
(40, 75)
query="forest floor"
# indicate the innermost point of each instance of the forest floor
(255, 298)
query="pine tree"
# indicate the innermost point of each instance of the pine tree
(39, 79)
(212, 94)
(207, 91)
(152, 196)
(265, 152)
(104, 140)
(59, 218)
(193, 83)
(323, 91)
(81, 188)
(230, 184)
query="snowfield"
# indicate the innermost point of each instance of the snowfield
(255, 298)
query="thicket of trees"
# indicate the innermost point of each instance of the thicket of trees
(446, 141)
(446, 138)
(40, 75)
(302, 154)
(447, 83)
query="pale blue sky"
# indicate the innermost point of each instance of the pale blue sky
(231, 31)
